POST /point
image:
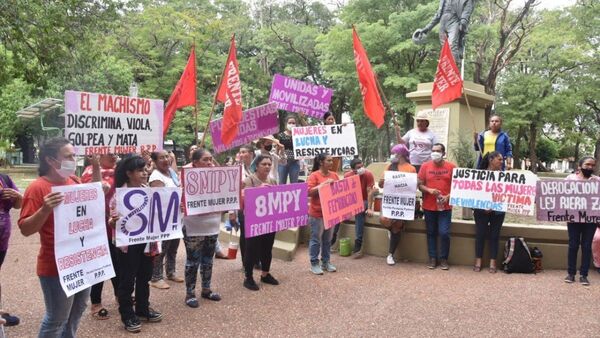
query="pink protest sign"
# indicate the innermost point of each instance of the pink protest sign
(300, 97)
(256, 122)
(341, 200)
(275, 208)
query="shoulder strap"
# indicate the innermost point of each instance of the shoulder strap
(525, 246)
(511, 250)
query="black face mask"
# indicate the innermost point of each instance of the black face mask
(587, 173)
(269, 147)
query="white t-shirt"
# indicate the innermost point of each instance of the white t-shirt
(419, 144)
(158, 176)
(202, 225)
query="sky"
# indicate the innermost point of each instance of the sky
(543, 4)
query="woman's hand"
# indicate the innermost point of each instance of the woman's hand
(12, 194)
(112, 222)
(52, 200)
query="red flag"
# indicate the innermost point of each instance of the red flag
(447, 85)
(184, 94)
(372, 104)
(230, 93)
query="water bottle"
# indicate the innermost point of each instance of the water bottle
(440, 203)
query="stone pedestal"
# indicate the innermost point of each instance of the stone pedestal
(452, 121)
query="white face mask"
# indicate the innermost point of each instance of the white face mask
(436, 157)
(290, 126)
(360, 171)
(67, 168)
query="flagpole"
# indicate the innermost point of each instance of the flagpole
(212, 109)
(472, 119)
(195, 103)
(387, 103)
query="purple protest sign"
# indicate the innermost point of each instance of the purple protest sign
(275, 208)
(300, 97)
(256, 122)
(568, 201)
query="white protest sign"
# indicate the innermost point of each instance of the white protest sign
(148, 215)
(399, 195)
(104, 123)
(80, 241)
(336, 140)
(211, 189)
(507, 191)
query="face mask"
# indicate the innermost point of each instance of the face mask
(587, 173)
(269, 147)
(436, 157)
(67, 168)
(290, 126)
(360, 171)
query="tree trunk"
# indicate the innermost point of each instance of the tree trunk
(517, 148)
(597, 156)
(532, 141)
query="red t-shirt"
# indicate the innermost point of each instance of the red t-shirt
(33, 199)
(366, 181)
(436, 177)
(316, 178)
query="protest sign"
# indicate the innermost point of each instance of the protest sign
(80, 241)
(300, 97)
(148, 215)
(335, 140)
(399, 195)
(211, 189)
(439, 121)
(104, 123)
(568, 201)
(341, 200)
(275, 208)
(508, 191)
(256, 122)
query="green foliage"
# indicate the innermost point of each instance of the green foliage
(546, 150)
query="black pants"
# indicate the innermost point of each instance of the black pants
(258, 249)
(487, 223)
(240, 215)
(135, 271)
(580, 234)
(394, 241)
(96, 291)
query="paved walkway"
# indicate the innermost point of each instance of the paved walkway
(364, 298)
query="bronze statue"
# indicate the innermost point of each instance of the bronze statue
(453, 16)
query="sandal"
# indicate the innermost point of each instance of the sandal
(101, 314)
(192, 302)
(493, 269)
(476, 268)
(211, 296)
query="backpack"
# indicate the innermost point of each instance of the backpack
(517, 257)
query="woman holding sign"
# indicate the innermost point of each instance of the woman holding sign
(488, 220)
(290, 167)
(57, 168)
(259, 248)
(320, 238)
(135, 261)
(200, 236)
(581, 233)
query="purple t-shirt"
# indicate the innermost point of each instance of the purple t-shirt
(5, 206)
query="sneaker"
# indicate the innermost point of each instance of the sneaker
(357, 254)
(570, 279)
(584, 281)
(444, 264)
(269, 279)
(159, 284)
(133, 325)
(432, 263)
(192, 302)
(328, 266)
(390, 260)
(250, 284)
(151, 316)
(175, 279)
(316, 269)
(10, 320)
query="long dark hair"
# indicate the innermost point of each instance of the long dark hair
(50, 148)
(131, 162)
(317, 162)
(485, 161)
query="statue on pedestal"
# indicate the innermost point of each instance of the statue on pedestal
(453, 17)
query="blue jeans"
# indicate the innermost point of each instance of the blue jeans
(438, 223)
(320, 239)
(359, 228)
(580, 234)
(62, 313)
(291, 168)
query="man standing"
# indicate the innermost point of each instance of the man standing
(367, 181)
(435, 179)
